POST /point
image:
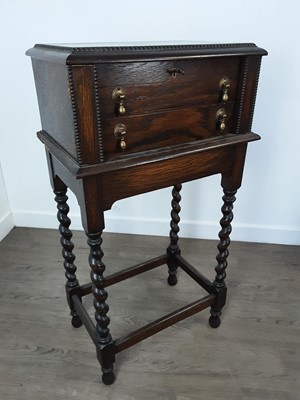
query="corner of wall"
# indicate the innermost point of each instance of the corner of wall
(6, 224)
(6, 216)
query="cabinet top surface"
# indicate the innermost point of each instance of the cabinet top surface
(78, 53)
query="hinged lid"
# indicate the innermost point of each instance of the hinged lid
(91, 53)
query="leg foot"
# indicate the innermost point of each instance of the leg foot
(214, 321)
(108, 376)
(172, 280)
(76, 321)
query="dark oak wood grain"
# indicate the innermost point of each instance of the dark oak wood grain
(118, 121)
(81, 95)
(149, 86)
(165, 128)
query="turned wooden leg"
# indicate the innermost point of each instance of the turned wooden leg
(173, 248)
(105, 355)
(219, 282)
(67, 251)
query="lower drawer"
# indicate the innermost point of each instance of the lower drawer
(162, 129)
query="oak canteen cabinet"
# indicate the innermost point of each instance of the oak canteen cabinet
(123, 119)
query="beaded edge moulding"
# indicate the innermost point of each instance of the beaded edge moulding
(160, 47)
(120, 47)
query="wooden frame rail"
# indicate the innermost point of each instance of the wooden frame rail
(156, 326)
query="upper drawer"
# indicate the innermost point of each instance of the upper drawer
(152, 86)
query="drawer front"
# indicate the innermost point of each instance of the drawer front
(165, 103)
(155, 86)
(165, 128)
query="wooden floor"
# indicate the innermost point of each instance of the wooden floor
(255, 354)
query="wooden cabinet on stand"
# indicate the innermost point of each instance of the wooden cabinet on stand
(120, 120)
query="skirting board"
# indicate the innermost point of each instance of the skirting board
(160, 227)
(6, 224)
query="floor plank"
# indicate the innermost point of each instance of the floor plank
(254, 354)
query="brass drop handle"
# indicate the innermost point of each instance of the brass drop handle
(221, 118)
(120, 132)
(224, 88)
(118, 96)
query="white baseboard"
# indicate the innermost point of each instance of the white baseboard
(207, 230)
(6, 224)
(160, 227)
(43, 220)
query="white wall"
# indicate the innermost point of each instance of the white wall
(267, 207)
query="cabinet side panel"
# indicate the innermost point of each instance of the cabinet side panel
(53, 92)
(87, 109)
